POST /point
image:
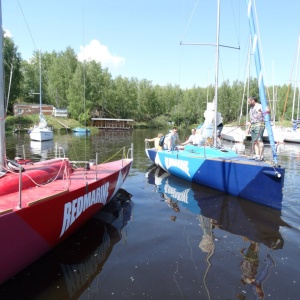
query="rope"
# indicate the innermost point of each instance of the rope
(113, 156)
(39, 185)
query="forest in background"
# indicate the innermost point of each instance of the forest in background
(88, 90)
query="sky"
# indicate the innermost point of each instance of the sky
(147, 39)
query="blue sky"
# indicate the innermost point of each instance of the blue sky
(141, 38)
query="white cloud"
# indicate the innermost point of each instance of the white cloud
(100, 53)
(7, 33)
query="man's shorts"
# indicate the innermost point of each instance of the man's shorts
(257, 132)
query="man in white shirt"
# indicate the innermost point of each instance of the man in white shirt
(192, 139)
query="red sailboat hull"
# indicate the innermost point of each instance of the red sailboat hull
(46, 212)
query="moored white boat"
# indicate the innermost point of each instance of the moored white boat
(291, 136)
(41, 132)
(278, 134)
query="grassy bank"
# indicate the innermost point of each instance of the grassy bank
(24, 123)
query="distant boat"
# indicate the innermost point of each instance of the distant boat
(81, 130)
(41, 132)
(291, 135)
(43, 203)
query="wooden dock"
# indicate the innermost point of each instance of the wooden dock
(112, 124)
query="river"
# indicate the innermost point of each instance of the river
(172, 240)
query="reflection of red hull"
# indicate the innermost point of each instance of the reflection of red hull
(51, 212)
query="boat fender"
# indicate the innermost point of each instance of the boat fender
(272, 173)
(14, 166)
(277, 174)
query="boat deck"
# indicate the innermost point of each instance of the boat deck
(79, 178)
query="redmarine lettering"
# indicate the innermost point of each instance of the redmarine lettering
(73, 209)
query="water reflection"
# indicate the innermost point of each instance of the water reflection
(43, 150)
(256, 225)
(80, 134)
(235, 215)
(68, 270)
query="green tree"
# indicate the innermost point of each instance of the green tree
(60, 70)
(12, 71)
(75, 93)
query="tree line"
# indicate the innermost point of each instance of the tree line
(88, 90)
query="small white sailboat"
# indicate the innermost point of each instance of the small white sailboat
(41, 132)
(278, 133)
(292, 136)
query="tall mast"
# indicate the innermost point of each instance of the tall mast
(2, 106)
(296, 79)
(217, 75)
(40, 67)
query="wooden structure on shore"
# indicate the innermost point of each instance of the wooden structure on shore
(24, 109)
(112, 124)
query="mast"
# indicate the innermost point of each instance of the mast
(259, 74)
(296, 78)
(2, 110)
(217, 75)
(40, 67)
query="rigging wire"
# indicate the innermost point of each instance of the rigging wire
(84, 78)
(191, 17)
(27, 26)
(291, 75)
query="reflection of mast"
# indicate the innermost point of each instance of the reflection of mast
(207, 245)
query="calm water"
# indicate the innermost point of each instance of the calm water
(173, 240)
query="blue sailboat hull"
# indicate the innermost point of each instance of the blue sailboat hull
(225, 171)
